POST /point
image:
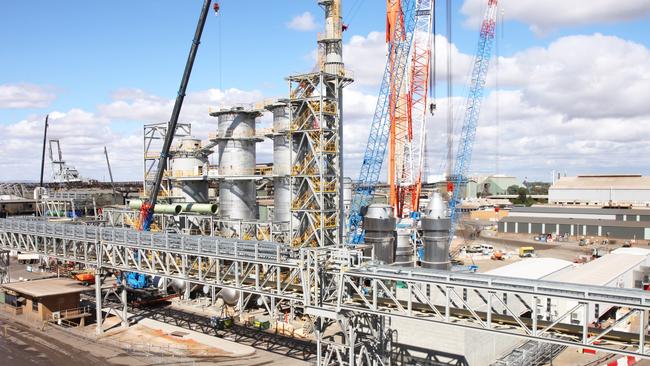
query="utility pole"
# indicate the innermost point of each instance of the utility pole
(43, 156)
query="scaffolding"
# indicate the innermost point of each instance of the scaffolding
(316, 166)
(154, 135)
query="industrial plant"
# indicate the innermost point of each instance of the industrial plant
(219, 256)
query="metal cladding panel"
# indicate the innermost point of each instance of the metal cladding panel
(379, 225)
(189, 144)
(380, 234)
(435, 237)
(602, 196)
(237, 125)
(501, 226)
(592, 230)
(236, 158)
(535, 228)
(565, 229)
(281, 155)
(282, 200)
(281, 119)
(624, 232)
(237, 200)
(347, 191)
(194, 191)
(404, 249)
(185, 165)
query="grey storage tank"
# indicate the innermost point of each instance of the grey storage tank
(404, 249)
(379, 225)
(189, 164)
(435, 234)
(281, 164)
(236, 141)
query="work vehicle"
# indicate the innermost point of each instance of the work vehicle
(526, 252)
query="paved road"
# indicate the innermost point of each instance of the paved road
(24, 346)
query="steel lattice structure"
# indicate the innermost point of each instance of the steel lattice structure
(337, 288)
(315, 142)
(409, 167)
(153, 136)
(472, 109)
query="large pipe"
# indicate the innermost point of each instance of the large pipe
(202, 208)
(173, 209)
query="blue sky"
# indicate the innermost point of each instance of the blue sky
(82, 52)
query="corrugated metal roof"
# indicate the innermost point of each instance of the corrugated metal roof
(565, 221)
(46, 287)
(601, 271)
(533, 268)
(603, 182)
(632, 250)
(580, 210)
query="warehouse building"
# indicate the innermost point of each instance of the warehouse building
(575, 221)
(601, 190)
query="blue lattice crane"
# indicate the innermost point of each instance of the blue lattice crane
(472, 110)
(394, 73)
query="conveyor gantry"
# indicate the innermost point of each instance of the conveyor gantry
(333, 283)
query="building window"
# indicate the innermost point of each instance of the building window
(34, 305)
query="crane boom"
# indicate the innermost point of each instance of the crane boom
(409, 184)
(472, 109)
(146, 211)
(394, 72)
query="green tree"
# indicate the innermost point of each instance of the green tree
(513, 189)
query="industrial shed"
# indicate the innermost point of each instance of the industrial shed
(601, 190)
(573, 221)
(39, 299)
(625, 269)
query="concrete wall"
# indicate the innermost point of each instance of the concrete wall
(479, 348)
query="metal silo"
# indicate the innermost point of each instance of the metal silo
(281, 164)
(435, 234)
(189, 164)
(404, 248)
(347, 195)
(236, 154)
(379, 225)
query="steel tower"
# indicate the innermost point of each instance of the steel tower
(315, 101)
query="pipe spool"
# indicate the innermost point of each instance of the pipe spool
(202, 208)
(173, 209)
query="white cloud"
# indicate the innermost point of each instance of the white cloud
(19, 96)
(82, 136)
(366, 58)
(576, 105)
(137, 105)
(583, 76)
(304, 22)
(544, 16)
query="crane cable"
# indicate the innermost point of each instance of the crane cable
(450, 108)
(354, 9)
